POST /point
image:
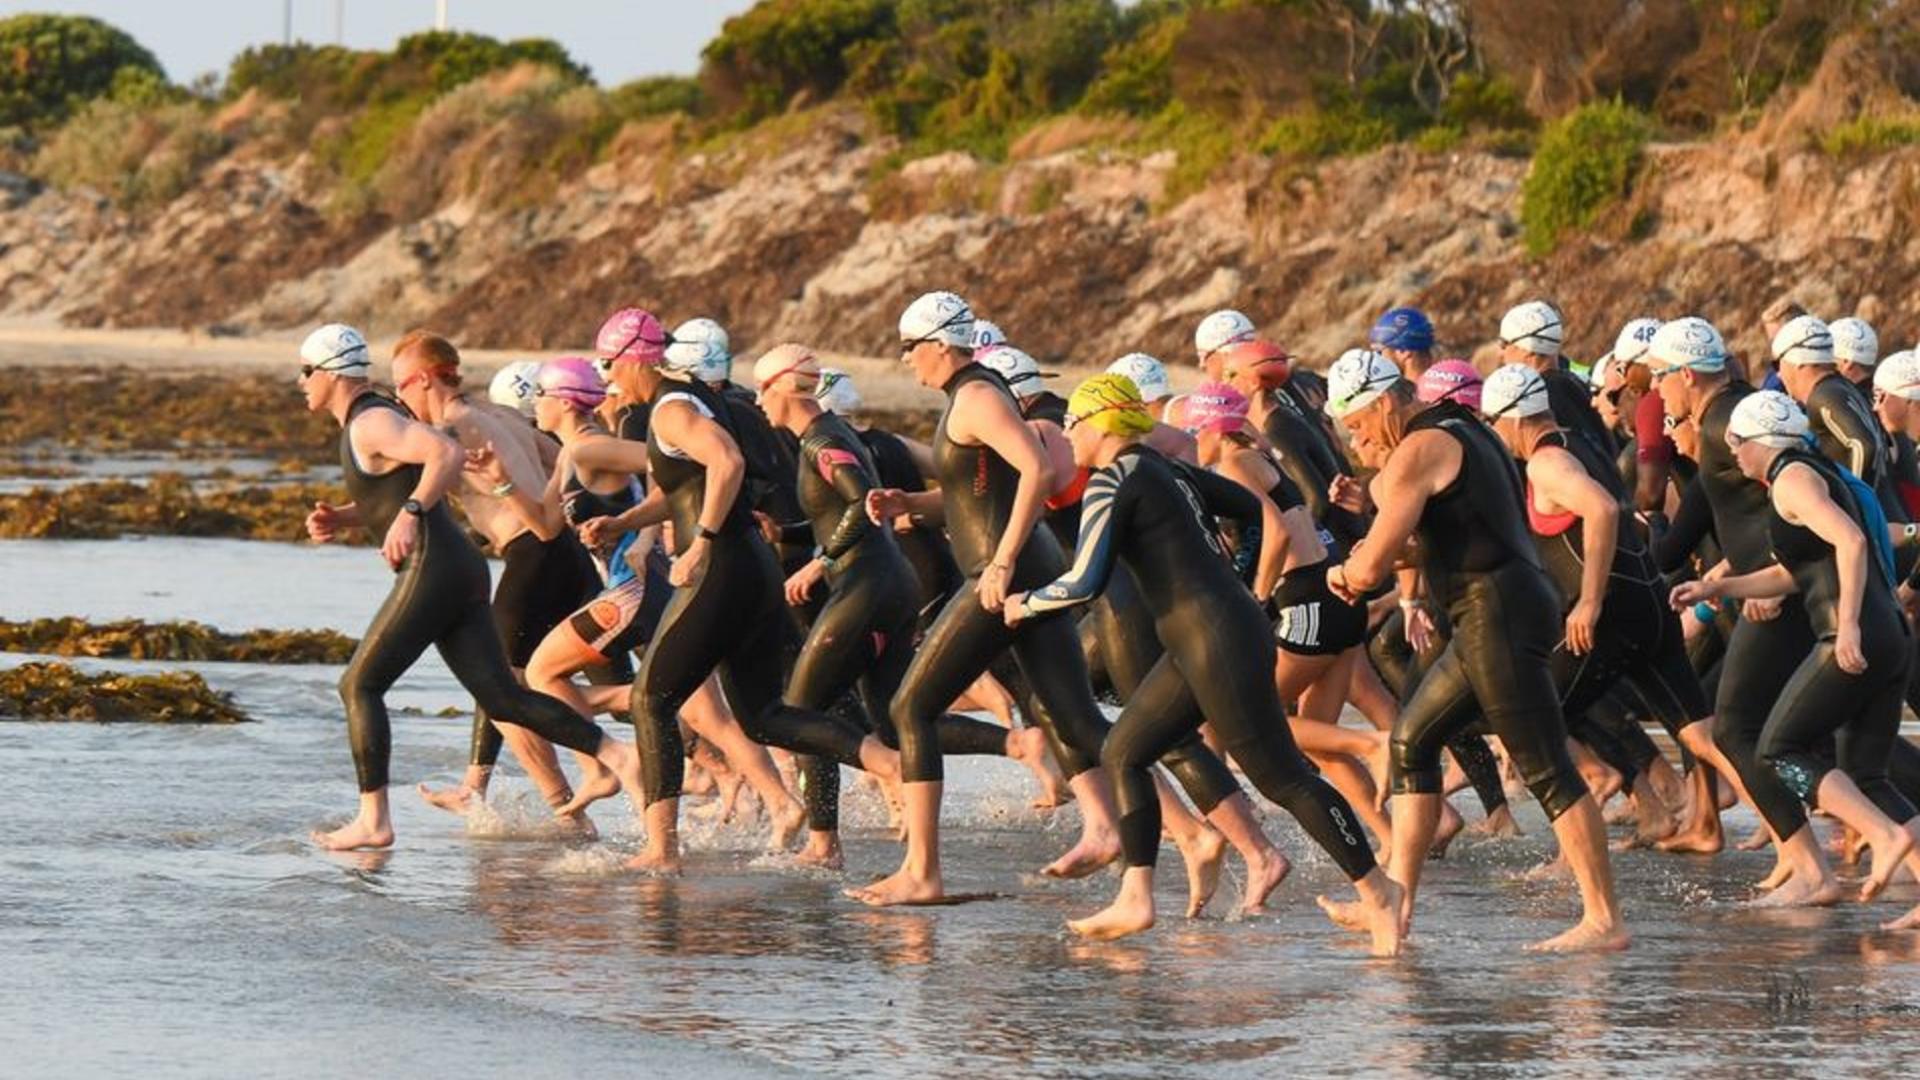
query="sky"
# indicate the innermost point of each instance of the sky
(618, 39)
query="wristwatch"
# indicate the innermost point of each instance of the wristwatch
(414, 507)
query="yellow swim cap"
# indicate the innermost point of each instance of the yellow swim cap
(1112, 404)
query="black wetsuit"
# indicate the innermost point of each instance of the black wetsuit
(541, 583)
(865, 632)
(1571, 402)
(1760, 656)
(439, 599)
(731, 620)
(1481, 567)
(1218, 655)
(1821, 705)
(978, 488)
(1637, 641)
(925, 546)
(623, 617)
(1308, 459)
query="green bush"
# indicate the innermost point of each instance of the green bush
(51, 65)
(140, 155)
(1586, 161)
(779, 48)
(658, 96)
(1865, 136)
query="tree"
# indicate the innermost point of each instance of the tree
(52, 64)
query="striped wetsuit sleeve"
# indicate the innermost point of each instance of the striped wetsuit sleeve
(1098, 548)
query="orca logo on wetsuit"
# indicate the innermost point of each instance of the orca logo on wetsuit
(1200, 517)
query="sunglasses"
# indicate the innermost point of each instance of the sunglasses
(1819, 339)
(1538, 388)
(639, 337)
(953, 320)
(1366, 384)
(307, 370)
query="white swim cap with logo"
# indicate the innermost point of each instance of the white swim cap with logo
(1805, 340)
(1635, 339)
(1770, 418)
(1148, 374)
(337, 348)
(1221, 329)
(701, 349)
(938, 316)
(1021, 372)
(1535, 327)
(1899, 375)
(1855, 342)
(1689, 342)
(987, 335)
(513, 386)
(1514, 390)
(1357, 380)
(836, 393)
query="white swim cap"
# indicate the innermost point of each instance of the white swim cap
(1899, 375)
(1514, 390)
(1148, 374)
(1635, 339)
(1021, 372)
(700, 348)
(1357, 380)
(1770, 418)
(1805, 340)
(337, 348)
(513, 386)
(836, 393)
(938, 316)
(1690, 342)
(987, 335)
(1534, 326)
(1855, 342)
(1219, 330)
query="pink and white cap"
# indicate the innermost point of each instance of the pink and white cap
(632, 334)
(1215, 406)
(1450, 380)
(572, 379)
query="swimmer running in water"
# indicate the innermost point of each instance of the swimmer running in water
(398, 471)
(1140, 511)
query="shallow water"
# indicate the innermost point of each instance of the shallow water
(162, 915)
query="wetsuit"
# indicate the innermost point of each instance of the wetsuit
(1308, 619)
(731, 620)
(864, 634)
(439, 599)
(540, 585)
(1218, 656)
(1481, 567)
(1571, 402)
(1307, 458)
(1860, 714)
(978, 487)
(1638, 637)
(925, 546)
(1760, 656)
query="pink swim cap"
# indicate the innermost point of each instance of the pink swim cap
(572, 379)
(1215, 406)
(1450, 380)
(632, 334)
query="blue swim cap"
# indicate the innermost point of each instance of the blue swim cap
(1403, 328)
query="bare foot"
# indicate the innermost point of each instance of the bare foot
(901, 888)
(454, 800)
(1450, 825)
(787, 823)
(1758, 839)
(595, 785)
(822, 850)
(1886, 862)
(1693, 843)
(1499, 824)
(1554, 869)
(655, 862)
(1028, 746)
(1262, 879)
(1090, 854)
(1117, 920)
(1204, 860)
(1778, 877)
(1798, 892)
(1346, 914)
(1586, 937)
(355, 834)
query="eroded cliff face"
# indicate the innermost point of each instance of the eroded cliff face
(1074, 250)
